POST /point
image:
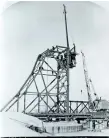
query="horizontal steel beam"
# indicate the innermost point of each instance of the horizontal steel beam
(57, 115)
(78, 101)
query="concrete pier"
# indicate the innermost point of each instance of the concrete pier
(63, 127)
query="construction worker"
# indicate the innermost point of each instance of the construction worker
(53, 48)
(73, 58)
(64, 62)
(61, 57)
(107, 123)
(93, 124)
(58, 129)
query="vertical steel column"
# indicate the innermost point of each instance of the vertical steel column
(18, 103)
(70, 106)
(58, 86)
(46, 90)
(24, 101)
(67, 73)
(38, 102)
(38, 94)
(77, 107)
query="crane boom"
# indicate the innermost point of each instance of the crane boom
(97, 98)
(91, 106)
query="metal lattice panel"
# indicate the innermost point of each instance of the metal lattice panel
(46, 86)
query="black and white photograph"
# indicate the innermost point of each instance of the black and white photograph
(54, 68)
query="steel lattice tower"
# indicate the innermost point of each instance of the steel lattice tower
(48, 83)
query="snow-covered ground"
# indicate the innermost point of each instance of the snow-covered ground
(99, 132)
(104, 132)
(14, 124)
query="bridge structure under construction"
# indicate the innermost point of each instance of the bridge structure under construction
(45, 93)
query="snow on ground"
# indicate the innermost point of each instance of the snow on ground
(23, 118)
(104, 132)
(14, 124)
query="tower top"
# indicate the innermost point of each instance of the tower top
(66, 26)
(64, 8)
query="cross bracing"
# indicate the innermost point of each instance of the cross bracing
(46, 85)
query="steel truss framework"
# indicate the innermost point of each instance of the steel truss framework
(45, 93)
(45, 90)
(74, 107)
(47, 87)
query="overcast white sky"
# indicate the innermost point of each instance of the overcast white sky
(29, 28)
